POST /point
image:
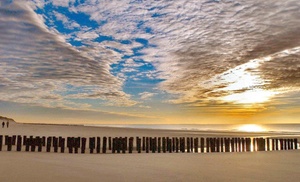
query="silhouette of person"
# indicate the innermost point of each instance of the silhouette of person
(7, 123)
(3, 124)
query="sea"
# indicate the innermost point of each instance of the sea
(277, 128)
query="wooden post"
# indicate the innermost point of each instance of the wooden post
(109, 143)
(222, 144)
(212, 144)
(24, 139)
(154, 145)
(188, 144)
(268, 144)
(9, 143)
(70, 143)
(170, 145)
(176, 144)
(147, 144)
(218, 144)
(55, 144)
(124, 144)
(192, 144)
(33, 144)
(104, 145)
(62, 145)
(182, 144)
(164, 145)
(6, 140)
(202, 144)
(173, 144)
(144, 144)
(39, 143)
(27, 144)
(83, 145)
(238, 145)
(1, 142)
(14, 139)
(119, 143)
(159, 145)
(243, 145)
(48, 148)
(285, 144)
(130, 145)
(207, 145)
(273, 143)
(295, 143)
(44, 141)
(19, 143)
(138, 145)
(232, 145)
(92, 144)
(98, 145)
(196, 144)
(281, 144)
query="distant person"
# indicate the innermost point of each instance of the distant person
(7, 124)
(3, 124)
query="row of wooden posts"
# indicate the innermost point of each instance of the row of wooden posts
(147, 144)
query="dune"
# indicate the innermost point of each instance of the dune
(48, 167)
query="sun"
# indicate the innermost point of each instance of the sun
(251, 128)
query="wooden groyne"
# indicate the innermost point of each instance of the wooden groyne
(143, 144)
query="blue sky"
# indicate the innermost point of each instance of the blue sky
(149, 62)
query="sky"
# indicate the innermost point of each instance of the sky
(150, 62)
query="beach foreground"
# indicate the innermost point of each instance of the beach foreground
(46, 167)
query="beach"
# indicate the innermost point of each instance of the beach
(241, 166)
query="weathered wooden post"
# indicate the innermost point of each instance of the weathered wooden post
(212, 144)
(281, 144)
(191, 144)
(27, 144)
(1, 142)
(109, 143)
(164, 144)
(222, 144)
(139, 145)
(114, 145)
(92, 144)
(295, 143)
(62, 145)
(130, 145)
(147, 144)
(202, 144)
(9, 143)
(150, 143)
(98, 145)
(196, 144)
(48, 147)
(183, 144)
(218, 144)
(19, 143)
(207, 145)
(104, 145)
(83, 145)
(188, 144)
(124, 144)
(144, 143)
(170, 145)
(70, 144)
(154, 144)
(159, 145)
(232, 145)
(24, 139)
(55, 144)
(173, 144)
(39, 143)
(77, 143)
(44, 141)
(5, 139)
(268, 144)
(243, 145)
(285, 144)
(14, 139)
(32, 144)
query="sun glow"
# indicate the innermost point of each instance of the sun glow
(250, 97)
(251, 128)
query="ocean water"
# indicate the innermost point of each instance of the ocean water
(291, 128)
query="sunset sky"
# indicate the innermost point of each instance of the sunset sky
(150, 62)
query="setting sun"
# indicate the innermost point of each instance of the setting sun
(251, 128)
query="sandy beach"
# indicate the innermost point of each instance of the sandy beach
(34, 166)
